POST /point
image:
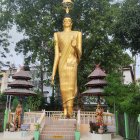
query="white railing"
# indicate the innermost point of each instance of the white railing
(39, 117)
(58, 114)
(78, 120)
(85, 116)
(41, 121)
(109, 118)
(11, 117)
(31, 118)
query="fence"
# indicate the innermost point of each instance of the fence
(85, 116)
(1, 121)
(30, 118)
(128, 126)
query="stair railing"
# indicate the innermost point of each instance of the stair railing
(78, 121)
(41, 121)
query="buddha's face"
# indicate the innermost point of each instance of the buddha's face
(67, 22)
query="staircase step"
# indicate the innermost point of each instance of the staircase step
(58, 129)
(58, 132)
(62, 129)
(60, 123)
(58, 137)
(60, 126)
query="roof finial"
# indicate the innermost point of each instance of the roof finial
(98, 65)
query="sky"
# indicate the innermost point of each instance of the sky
(138, 67)
(12, 56)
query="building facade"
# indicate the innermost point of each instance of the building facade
(128, 75)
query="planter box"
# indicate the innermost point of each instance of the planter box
(77, 135)
(36, 135)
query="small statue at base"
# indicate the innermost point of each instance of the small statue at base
(18, 113)
(99, 120)
(99, 115)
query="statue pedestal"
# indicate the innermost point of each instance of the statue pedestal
(67, 121)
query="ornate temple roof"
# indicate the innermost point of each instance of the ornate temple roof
(21, 83)
(19, 92)
(97, 73)
(21, 86)
(94, 92)
(96, 82)
(22, 75)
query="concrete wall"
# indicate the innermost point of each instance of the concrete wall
(127, 77)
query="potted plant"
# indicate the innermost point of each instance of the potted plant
(93, 127)
(98, 128)
(36, 132)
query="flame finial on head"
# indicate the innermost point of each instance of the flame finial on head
(67, 4)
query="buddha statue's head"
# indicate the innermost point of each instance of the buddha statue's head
(67, 21)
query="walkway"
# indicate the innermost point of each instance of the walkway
(87, 137)
(13, 136)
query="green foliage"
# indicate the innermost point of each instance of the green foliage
(34, 102)
(14, 103)
(37, 127)
(2, 103)
(2, 98)
(98, 21)
(5, 20)
(126, 97)
(127, 29)
(95, 18)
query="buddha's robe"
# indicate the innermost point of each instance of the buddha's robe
(69, 57)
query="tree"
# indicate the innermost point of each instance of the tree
(125, 97)
(126, 27)
(5, 18)
(95, 18)
(34, 102)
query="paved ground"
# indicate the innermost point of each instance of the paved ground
(13, 138)
(84, 137)
(87, 137)
(118, 138)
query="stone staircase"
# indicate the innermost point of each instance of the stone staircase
(62, 129)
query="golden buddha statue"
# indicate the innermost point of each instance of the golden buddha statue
(68, 50)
